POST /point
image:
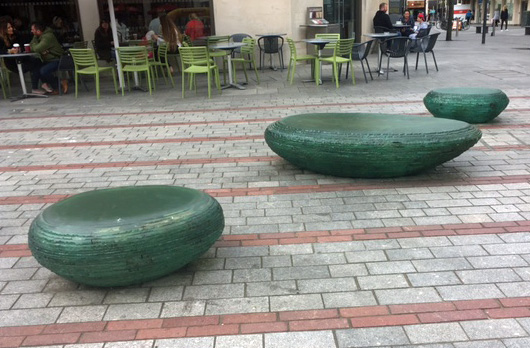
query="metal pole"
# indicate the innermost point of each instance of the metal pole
(484, 20)
(114, 27)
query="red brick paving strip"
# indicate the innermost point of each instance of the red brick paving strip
(231, 324)
(243, 240)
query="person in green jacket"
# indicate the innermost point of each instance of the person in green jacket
(50, 51)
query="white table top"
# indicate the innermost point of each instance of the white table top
(270, 35)
(227, 45)
(381, 35)
(318, 41)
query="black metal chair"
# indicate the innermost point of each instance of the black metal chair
(397, 47)
(360, 53)
(425, 45)
(238, 38)
(271, 45)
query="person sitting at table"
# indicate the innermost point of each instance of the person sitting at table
(8, 37)
(382, 19)
(407, 19)
(49, 49)
(170, 34)
(419, 32)
(103, 41)
(194, 28)
(62, 31)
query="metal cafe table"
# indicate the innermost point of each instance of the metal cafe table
(18, 57)
(230, 47)
(320, 43)
(381, 37)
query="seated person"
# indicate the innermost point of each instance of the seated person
(408, 20)
(50, 51)
(420, 31)
(382, 19)
(9, 37)
(103, 41)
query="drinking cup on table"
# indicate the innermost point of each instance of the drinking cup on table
(135, 36)
(399, 22)
(27, 48)
(16, 47)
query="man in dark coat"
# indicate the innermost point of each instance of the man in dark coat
(381, 18)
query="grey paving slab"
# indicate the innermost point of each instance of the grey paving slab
(431, 333)
(309, 339)
(195, 342)
(480, 344)
(237, 305)
(240, 341)
(409, 295)
(371, 337)
(296, 302)
(489, 329)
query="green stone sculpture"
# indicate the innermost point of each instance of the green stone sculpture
(126, 235)
(472, 105)
(369, 145)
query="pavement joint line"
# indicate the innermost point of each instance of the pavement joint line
(296, 189)
(267, 322)
(293, 106)
(195, 123)
(339, 235)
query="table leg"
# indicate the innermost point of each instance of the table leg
(137, 86)
(230, 77)
(25, 93)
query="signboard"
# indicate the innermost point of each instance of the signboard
(416, 4)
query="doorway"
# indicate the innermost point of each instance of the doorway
(345, 13)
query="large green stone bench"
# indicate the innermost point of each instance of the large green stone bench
(472, 105)
(369, 145)
(127, 235)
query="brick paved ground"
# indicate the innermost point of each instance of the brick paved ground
(438, 260)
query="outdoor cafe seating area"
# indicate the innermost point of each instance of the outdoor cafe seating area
(141, 65)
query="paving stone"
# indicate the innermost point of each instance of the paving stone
(24, 286)
(183, 309)
(338, 247)
(6, 301)
(446, 264)
(326, 285)
(349, 299)
(424, 242)
(158, 294)
(237, 305)
(276, 261)
(133, 311)
(239, 341)
(212, 277)
(293, 249)
(196, 342)
(497, 261)
(82, 314)
(412, 295)
(296, 302)
(469, 292)
(488, 276)
(309, 339)
(33, 300)
(351, 270)
(517, 342)
(390, 267)
(383, 282)
(490, 329)
(408, 254)
(430, 333)
(244, 262)
(33, 316)
(307, 272)
(78, 298)
(458, 251)
(517, 289)
(366, 256)
(433, 278)
(371, 337)
(129, 344)
(200, 292)
(480, 344)
(319, 259)
(252, 275)
(475, 239)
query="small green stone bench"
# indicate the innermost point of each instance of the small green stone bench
(472, 105)
(126, 235)
(369, 145)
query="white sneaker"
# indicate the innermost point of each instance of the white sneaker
(502, 30)
(47, 87)
(37, 91)
(506, 30)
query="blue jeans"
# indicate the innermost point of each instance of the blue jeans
(44, 72)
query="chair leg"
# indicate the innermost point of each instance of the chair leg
(417, 58)
(76, 83)
(293, 71)
(407, 66)
(317, 71)
(208, 74)
(434, 58)
(169, 75)
(114, 79)
(425, 58)
(364, 72)
(387, 66)
(96, 77)
(149, 82)
(183, 83)
(336, 74)
(218, 80)
(255, 70)
(352, 72)
(368, 66)
(245, 71)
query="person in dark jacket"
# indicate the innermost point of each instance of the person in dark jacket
(408, 20)
(504, 17)
(382, 19)
(103, 41)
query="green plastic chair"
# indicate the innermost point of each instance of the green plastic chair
(330, 46)
(5, 83)
(342, 54)
(291, 69)
(247, 56)
(213, 53)
(135, 60)
(195, 60)
(162, 61)
(86, 63)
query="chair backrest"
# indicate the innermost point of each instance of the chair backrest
(423, 32)
(361, 51)
(135, 55)
(380, 30)
(292, 47)
(431, 42)
(344, 47)
(83, 57)
(249, 48)
(162, 52)
(270, 44)
(239, 37)
(192, 55)
(328, 36)
(81, 44)
(397, 47)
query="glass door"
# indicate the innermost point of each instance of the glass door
(341, 13)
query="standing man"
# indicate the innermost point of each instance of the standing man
(382, 19)
(50, 51)
(154, 25)
(504, 17)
